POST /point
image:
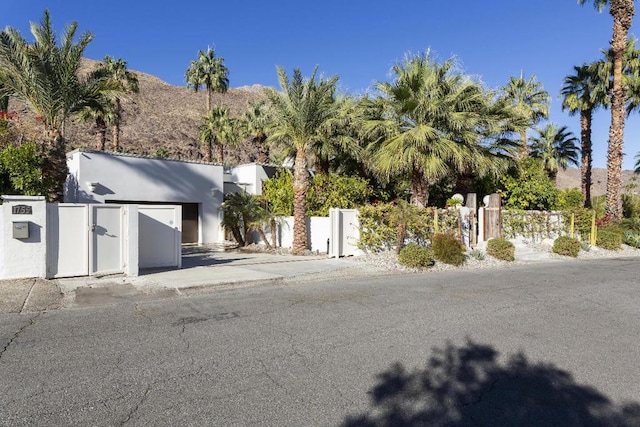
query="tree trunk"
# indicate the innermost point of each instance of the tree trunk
(300, 184)
(524, 148)
(274, 233)
(220, 153)
(419, 189)
(263, 150)
(55, 166)
(622, 12)
(207, 152)
(209, 99)
(101, 134)
(263, 236)
(115, 132)
(587, 159)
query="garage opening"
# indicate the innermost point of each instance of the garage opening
(190, 215)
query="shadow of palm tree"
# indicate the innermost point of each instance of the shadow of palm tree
(469, 386)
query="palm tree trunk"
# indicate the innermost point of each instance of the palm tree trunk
(221, 153)
(207, 152)
(115, 133)
(622, 12)
(55, 166)
(586, 152)
(300, 184)
(263, 150)
(101, 134)
(419, 189)
(264, 237)
(524, 148)
(274, 233)
(209, 91)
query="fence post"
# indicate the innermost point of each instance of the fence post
(593, 229)
(436, 227)
(572, 228)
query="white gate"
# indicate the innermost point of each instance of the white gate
(160, 236)
(345, 232)
(84, 239)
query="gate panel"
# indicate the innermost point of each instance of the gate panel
(159, 236)
(106, 248)
(68, 246)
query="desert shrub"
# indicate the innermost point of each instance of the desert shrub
(416, 256)
(567, 246)
(477, 254)
(570, 198)
(501, 248)
(529, 188)
(632, 239)
(448, 249)
(609, 238)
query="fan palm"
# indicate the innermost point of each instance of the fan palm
(530, 100)
(255, 124)
(300, 110)
(583, 93)
(44, 75)
(556, 147)
(116, 70)
(217, 128)
(622, 12)
(208, 71)
(432, 123)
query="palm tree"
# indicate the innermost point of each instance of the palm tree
(301, 108)
(583, 92)
(637, 165)
(432, 123)
(555, 147)
(255, 123)
(622, 12)
(208, 71)
(101, 113)
(116, 70)
(218, 129)
(530, 100)
(44, 75)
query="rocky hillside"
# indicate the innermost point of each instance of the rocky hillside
(570, 178)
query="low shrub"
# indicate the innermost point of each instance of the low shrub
(477, 254)
(416, 256)
(447, 249)
(501, 248)
(632, 239)
(609, 238)
(567, 246)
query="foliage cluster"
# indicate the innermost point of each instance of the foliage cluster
(501, 248)
(567, 246)
(416, 256)
(632, 239)
(244, 213)
(528, 187)
(325, 192)
(381, 223)
(609, 237)
(448, 249)
(21, 170)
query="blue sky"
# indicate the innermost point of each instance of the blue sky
(358, 40)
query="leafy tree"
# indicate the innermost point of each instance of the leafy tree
(278, 191)
(529, 187)
(622, 12)
(555, 148)
(21, 170)
(582, 93)
(301, 108)
(530, 100)
(44, 75)
(208, 71)
(432, 120)
(116, 71)
(218, 129)
(335, 191)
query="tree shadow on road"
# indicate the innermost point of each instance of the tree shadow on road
(470, 386)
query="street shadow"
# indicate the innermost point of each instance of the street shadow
(196, 256)
(470, 386)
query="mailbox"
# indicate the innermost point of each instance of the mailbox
(20, 230)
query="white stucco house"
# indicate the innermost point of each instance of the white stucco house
(248, 177)
(104, 177)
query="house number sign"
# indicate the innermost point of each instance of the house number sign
(21, 210)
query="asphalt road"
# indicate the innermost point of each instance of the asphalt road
(536, 345)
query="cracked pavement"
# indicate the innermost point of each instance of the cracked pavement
(315, 353)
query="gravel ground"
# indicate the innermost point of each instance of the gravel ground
(389, 260)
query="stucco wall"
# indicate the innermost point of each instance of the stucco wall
(23, 257)
(97, 177)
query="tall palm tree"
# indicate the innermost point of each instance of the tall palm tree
(556, 147)
(301, 108)
(622, 12)
(530, 100)
(583, 93)
(637, 165)
(102, 114)
(218, 129)
(44, 75)
(208, 71)
(116, 70)
(255, 124)
(432, 124)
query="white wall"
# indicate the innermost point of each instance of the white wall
(130, 178)
(23, 257)
(318, 230)
(249, 177)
